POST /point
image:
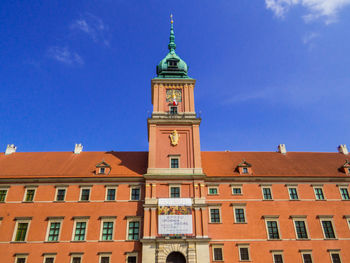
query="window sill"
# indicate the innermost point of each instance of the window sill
(267, 199)
(106, 240)
(215, 222)
(303, 239)
(330, 238)
(134, 200)
(212, 194)
(51, 241)
(320, 200)
(132, 240)
(237, 194)
(110, 201)
(27, 201)
(294, 199)
(83, 201)
(59, 201)
(18, 242)
(240, 223)
(345, 199)
(276, 239)
(78, 241)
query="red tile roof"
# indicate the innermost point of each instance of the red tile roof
(134, 164)
(274, 163)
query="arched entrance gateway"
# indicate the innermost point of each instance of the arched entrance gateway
(175, 257)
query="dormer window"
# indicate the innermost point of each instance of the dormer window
(346, 167)
(172, 64)
(103, 168)
(244, 168)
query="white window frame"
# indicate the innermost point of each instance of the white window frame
(80, 219)
(73, 255)
(106, 220)
(321, 187)
(327, 218)
(65, 193)
(135, 187)
(81, 193)
(346, 217)
(341, 196)
(115, 187)
(177, 109)
(306, 252)
(239, 206)
(269, 219)
(277, 253)
(215, 207)
(25, 193)
(262, 192)
(6, 188)
(174, 186)
(18, 221)
(213, 187)
(237, 186)
(49, 255)
(104, 254)
(131, 254)
(132, 219)
(334, 251)
(239, 252)
(175, 157)
(296, 188)
(300, 218)
(213, 246)
(53, 220)
(19, 256)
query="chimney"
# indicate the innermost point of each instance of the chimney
(11, 148)
(343, 149)
(78, 148)
(282, 148)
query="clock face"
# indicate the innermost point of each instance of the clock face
(172, 94)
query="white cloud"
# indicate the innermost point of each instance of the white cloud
(93, 27)
(327, 9)
(64, 55)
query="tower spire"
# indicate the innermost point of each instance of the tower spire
(172, 45)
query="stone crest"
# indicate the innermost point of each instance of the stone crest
(174, 138)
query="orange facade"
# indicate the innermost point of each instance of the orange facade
(58, 207)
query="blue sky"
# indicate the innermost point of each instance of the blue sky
(267, 71)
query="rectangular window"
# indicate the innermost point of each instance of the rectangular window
(54, 231)
(175, 192)
(3, 193)
(244, 253)
(135, 193)
(49, 257)
(245, 170)
(134, 229)
(335, 258)
(173, 110)
(80, 230)
(111, 193)
(174, 162)
(307, 258)
(319, 193)
(21, 259)
(236, 190)
(107, 230)
(277, 258)
(293, 194)
(239, 215)
(85, 194)
(102, 170)
(61, 194)
(267, 195)
(344, 193)
(300, 229)
(29, 196)
(328, 229)
(132, 259)
(49, 260)
(76, 259)
(213, 191)
(217, 254)
(105, 258)
(215, 215)
(21, 231)
(272, 229)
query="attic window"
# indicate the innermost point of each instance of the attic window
(103, 168)
(244, 168)
(346, 167)
(172, 64)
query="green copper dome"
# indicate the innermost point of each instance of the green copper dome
(172, 66)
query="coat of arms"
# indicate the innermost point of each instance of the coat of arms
(174, 138)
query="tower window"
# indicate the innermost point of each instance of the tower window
(172, 64)
(173, 110)
(174, 162)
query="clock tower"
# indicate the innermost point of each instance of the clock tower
(173, 129)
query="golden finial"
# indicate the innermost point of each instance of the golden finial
(171, 18)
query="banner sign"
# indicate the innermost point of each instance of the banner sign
(174, 216)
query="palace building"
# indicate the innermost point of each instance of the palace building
(174, 203)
